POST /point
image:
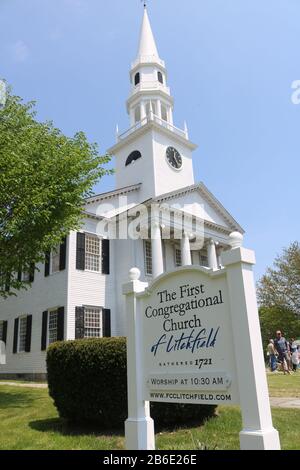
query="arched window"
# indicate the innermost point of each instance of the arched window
(160, 77)
(133, 157)
(137, 78)
(137, 114)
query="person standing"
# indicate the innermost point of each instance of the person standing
(283, 349)
(271, 351)
(295, 354)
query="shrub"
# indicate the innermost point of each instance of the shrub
(88, 383)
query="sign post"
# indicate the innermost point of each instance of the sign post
(194, 337)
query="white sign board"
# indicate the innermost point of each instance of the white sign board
(194, 337)
(188, 340)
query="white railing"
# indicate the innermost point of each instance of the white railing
(152, 117)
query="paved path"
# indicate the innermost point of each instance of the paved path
(285, 402)
(277, 402)
(20, 384)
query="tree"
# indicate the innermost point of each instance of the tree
(280, 286)
(44, 178)
(276, 318)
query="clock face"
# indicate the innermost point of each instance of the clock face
(174, 158)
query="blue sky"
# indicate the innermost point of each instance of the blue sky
(231, 65)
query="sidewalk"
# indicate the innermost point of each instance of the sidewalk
(24, 384)
(285, 402)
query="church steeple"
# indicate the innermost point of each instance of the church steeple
(150, 92)
(147, 45)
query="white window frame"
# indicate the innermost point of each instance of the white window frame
(93, 310)
(148, 258)
(55, 253)
(21, 318)
(99, 255)
(53, 310)
(203, 254)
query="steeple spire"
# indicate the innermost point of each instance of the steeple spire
(147, 46)
(150, 95)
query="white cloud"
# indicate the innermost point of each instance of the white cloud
(20, 51)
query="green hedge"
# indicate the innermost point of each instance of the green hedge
(88, 383)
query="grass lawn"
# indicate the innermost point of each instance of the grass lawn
(28, 420)
(281, 385)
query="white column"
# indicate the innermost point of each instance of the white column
(186, 256)
(158, 104)
(170, 114)
(143, 110)
(212, 255)
(258, 432)
(139, 427)
(157, 250)
(132, 117)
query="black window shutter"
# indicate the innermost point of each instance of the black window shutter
(80, 251)
(16, 332)
(105, 256)
(28, 334)
(4, 332)
(47, 263)
(31, 272)
(19, 276)
(79, 322)
(106, 323)
(60, 324)
(44, 331)
(62, 254)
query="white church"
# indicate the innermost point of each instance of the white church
(77, 292)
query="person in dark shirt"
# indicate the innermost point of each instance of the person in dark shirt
(283, 349)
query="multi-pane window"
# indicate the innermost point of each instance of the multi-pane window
(92, 322)
(1, 330)
(203, 259)
(55, 259)
(52, 327)
(148, 258)
(178, 257)
(22, 333)
(92, 253)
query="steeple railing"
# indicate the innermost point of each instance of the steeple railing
(153, 118)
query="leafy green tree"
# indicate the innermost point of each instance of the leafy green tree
(44, 178)
(276, 318)
(280, 286)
